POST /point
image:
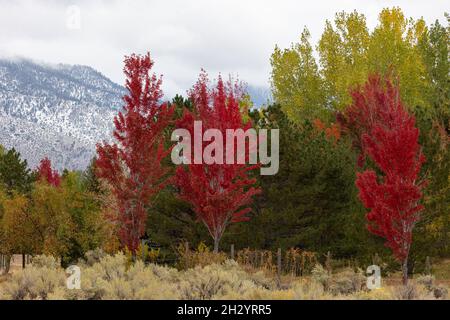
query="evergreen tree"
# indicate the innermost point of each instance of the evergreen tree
(311, 202)
(14, 172)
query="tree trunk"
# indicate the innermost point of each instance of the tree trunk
(216, 244)
(23, 261)
(405, 271)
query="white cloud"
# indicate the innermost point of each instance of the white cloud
(182, 36)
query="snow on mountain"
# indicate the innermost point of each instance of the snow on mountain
(58, 111)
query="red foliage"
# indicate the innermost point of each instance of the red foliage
(132, 165)
(219, 193)
(372, 104)
(46, 173)
(389, 137)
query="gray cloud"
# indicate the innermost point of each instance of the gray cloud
(182, 36)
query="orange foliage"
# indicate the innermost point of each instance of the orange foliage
(332, 132)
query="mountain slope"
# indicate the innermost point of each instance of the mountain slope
(56, 111)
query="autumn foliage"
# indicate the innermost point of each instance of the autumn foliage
(46, 173)
(307, 203)
(132, 164)
(219, 193)
(388, 136)
(331, 132)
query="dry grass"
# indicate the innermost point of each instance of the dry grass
(114, 277)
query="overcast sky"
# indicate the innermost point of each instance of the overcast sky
(182, 36)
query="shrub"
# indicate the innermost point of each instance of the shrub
(320, 275)
(215, 281)
(411, 291)
(34, 282)
(111, 278)
(164, 273)
(202, 256)
(347, 282)
(427, 281)
(440, 292)
(310, 290)
(43, 261)
(93, 256)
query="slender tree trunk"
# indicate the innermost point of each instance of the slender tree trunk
(405, 271)
(23, 261)
(216, 244)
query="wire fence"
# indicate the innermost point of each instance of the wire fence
(293, 261)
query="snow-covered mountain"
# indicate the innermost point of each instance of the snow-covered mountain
(59, 111)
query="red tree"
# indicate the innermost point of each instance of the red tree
(46, 173)
(219, 193)
(369, 108)
(132, 165)
(389, 137)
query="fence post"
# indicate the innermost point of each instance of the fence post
(328, 262)
(7, 263)
(232, 252)
(279, 266)
(427, 266)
